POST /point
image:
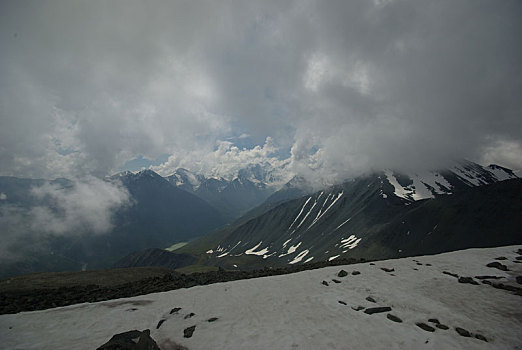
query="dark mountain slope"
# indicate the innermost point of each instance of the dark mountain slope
(155, 257)
(363, 218)
(485, 216)
(159, 215)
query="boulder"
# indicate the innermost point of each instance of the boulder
(342, 273)
(187, 332)
(131, 340)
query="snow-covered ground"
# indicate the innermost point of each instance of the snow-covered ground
(297, 311)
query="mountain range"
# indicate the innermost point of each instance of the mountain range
(385, 214)
(250, 221)
(158, 215)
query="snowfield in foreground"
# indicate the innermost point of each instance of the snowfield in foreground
(299, 311)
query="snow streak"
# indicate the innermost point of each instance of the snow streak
(321, 215)
(298, 215)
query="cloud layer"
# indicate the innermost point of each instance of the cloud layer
(339, 88)
(85, 206)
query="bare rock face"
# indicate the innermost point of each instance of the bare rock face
(131, 340)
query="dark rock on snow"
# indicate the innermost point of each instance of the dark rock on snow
(356, 273)
(393, 318)
(498, 265)
(450, 274)
(467, 280)
(175, 310)
(481, 337)
(336, 281)
(342, 273)
(160, 323)
(487, 277)
(325, 283)
(501, 258)
(212, 319)
(387, 269)
(463, 332)
(342, 302)
(441, 326)
(371, 300)
(131, 340)
(434, 320)
(187, 332)
(358, 308)
(189, 315)
(425, 327)
(375, 310)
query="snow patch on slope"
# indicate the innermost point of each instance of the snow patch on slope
(299, 257)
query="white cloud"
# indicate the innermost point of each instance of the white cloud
(508, 153)
(226, 160)
(87, 206)
(347, 86)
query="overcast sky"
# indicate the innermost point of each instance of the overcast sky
(322, 88)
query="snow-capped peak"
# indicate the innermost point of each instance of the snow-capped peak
(428, 184)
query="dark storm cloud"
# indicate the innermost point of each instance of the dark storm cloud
(346, 86)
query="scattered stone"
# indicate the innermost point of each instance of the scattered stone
(212, 319)
(131, 340)
(451, 274)
(393, 318)
(342, 302)
(419, 263)
(358, 308)
(507, 287)
(356, 273)
(187, 332)
(481, 337)
(487, 277)
(392, 274)
(518, 258)
(175, 310)
(434, 320)
(425, 327)
(501, 258)
(189, 315)
(160, 323)
(519, 252)
(519, 279)
(387, 270)
(342, 273)
(371, 300)
(428, 264)
(416, 269)
(325, 283)
(467, 280)
(463, 332)
(131, 309)
(442, 326)
(497, 265)
(376, 310)
(372, 264)
(517, 262)
(336, 281)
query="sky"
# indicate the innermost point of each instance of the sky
(326, 90)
